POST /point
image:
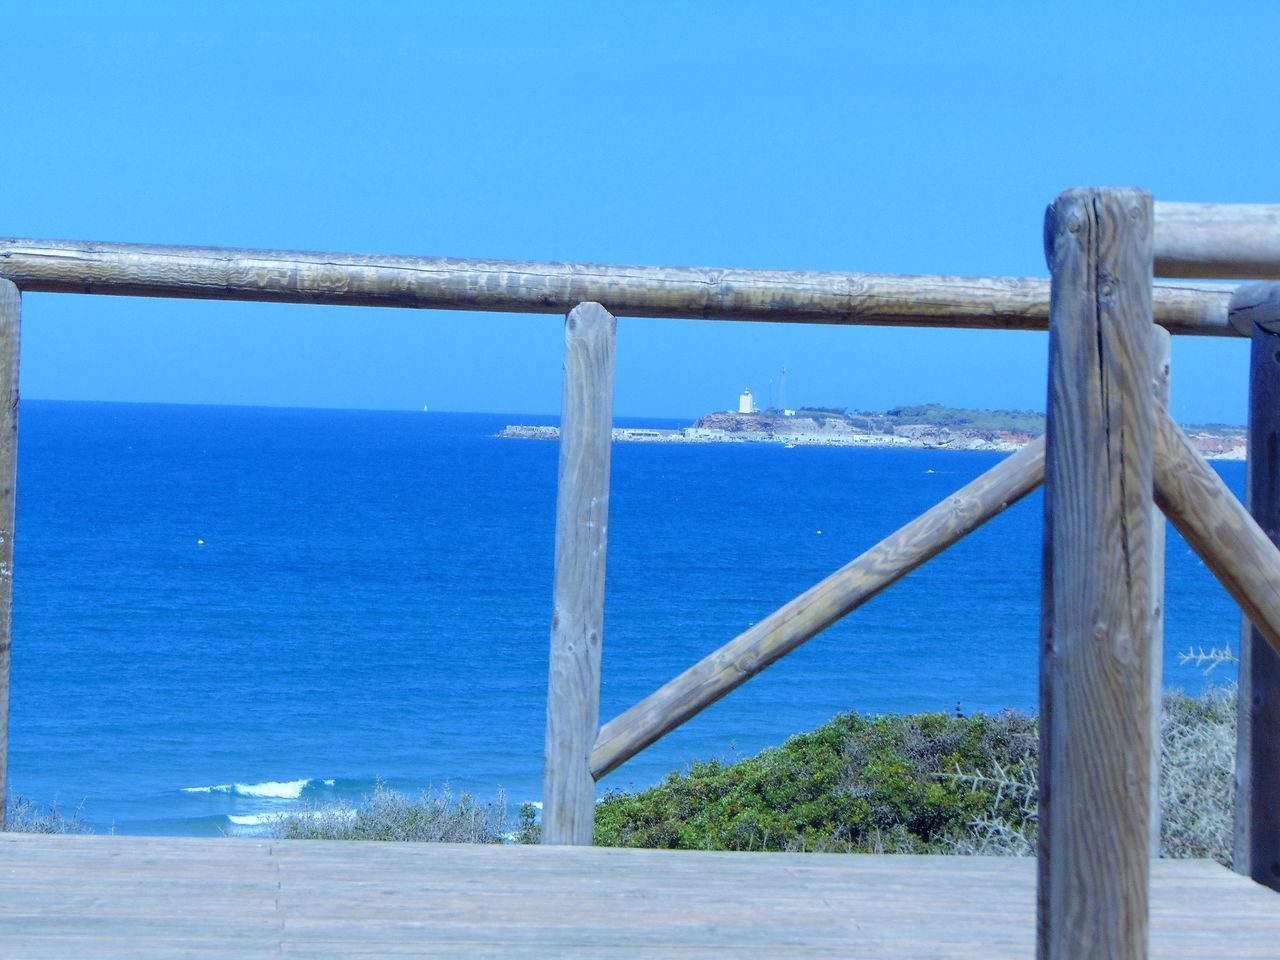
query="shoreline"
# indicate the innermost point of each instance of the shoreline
(1209, 446)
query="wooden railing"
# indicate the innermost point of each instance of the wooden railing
(211, 273)
(1109, 452)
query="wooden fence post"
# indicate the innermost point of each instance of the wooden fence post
(577, 621)
(1255, 308)
(1162, 360)
(1095, 688)
(10, 331)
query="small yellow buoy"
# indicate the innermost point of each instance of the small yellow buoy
(200, 543)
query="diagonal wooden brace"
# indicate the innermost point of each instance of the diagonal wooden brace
(817, 608)
(1218, 527)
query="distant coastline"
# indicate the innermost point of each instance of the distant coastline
(924, 427)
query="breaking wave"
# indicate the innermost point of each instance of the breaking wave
(270, 789)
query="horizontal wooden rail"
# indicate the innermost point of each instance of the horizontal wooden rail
(212, 273)
(1218, 527)
(817, 608)
(1225, 241)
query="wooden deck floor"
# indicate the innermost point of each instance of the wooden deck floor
(138, 897)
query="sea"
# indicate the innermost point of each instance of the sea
(223, 612)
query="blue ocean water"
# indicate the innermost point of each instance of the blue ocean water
(220, 610)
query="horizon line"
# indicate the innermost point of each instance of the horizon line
(511, 413)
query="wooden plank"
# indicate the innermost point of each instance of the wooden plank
(817, 608)
(1257, 826)
(577, 620)
(385, 899)
(1218, 528)
(10, 331)
(1162, 359)
(1218, 240)
(445, 283)
(1095, 664)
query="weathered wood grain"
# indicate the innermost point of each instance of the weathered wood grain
(444, 283)
(1095, 682)
(1162, 360)
(10, 329)
(1257, 826)
(1220, 240)
(817, 608)
(577, 620)
(1254, 304)
(92, 898)
(1218, 527)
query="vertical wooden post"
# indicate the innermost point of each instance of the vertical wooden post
(1162, 361)
(1095, 791)
(10, 331)
(1256, 308)
(577, 621)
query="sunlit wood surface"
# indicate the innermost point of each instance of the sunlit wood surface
(145, 897)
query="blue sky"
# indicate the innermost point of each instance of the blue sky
(921, 138)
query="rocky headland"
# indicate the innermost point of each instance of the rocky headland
(927, 427)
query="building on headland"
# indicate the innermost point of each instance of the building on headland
(747, 403)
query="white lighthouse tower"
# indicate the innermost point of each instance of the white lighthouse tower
(747, 403)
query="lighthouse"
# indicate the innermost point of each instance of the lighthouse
(747, 403)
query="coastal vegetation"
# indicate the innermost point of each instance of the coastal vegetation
(26, 816)
(926, 783)
(935, 414)
(1027, 422)
(387, 814)
(918, 783)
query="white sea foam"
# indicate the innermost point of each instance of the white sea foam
(251, 819)
(275, 789)
(270, 789)
(259, 819)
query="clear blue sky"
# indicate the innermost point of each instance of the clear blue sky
(920, 138)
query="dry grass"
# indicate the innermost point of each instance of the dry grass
(25, 816)
(1197, 775)
(1197, 787)
(386, 814)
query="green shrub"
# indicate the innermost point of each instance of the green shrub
(925, 783)
(850, 785)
